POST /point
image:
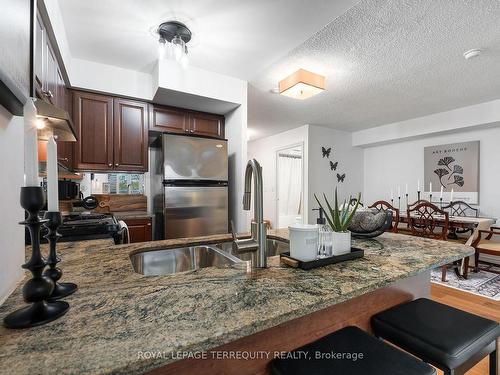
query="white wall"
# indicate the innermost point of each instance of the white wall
(473, 117)
(386, 166)
(11, 170)
(321, 178)
(111, 79)
(264, 150)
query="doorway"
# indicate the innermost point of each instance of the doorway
(290, 185)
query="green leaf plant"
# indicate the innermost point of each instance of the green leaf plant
(338, 218)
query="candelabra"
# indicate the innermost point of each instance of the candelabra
(38, 289)
(54, 220)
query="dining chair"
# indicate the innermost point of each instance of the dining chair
(385, 206)
(425, 219)
(461, 209)
(485, 245)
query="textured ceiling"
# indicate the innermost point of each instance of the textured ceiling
(239, 38)
(387, 61)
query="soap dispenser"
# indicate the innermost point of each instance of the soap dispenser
(325, 235)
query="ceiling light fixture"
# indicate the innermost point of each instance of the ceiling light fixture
(302, 84)
(472, 53)
(177, 35)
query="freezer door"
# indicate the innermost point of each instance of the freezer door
(192, 158)
(192, 211)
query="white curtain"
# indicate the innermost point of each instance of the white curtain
(289, 188)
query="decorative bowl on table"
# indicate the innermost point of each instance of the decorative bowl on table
(370, 222)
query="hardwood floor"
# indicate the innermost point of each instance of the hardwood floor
(472, 303)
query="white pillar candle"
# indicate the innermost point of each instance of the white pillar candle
(406, 189)
(451, 195)
(52, 178)
(418, 185)
(399, 191)
(441, 193)
(30, 145)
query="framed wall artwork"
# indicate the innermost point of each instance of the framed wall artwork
(453, 166)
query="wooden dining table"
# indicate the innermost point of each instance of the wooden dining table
(475, 224)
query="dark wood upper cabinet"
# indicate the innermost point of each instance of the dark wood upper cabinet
(130, 135)
(93, 118)
(39, 63)
(182, 121)
(165, 119)
(206, 124)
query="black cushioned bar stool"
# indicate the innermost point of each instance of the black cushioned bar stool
(349, 351)
(450, 339)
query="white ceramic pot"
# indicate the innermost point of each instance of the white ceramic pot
(341, 243)
(303, 241)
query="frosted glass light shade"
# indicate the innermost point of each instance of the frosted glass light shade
(302, 84)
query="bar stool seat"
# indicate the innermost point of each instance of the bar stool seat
(448, 338)
(377, 357)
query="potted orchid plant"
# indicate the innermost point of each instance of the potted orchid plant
(338, 219)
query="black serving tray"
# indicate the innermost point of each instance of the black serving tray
(321, 262)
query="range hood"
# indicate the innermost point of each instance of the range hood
(57, 122)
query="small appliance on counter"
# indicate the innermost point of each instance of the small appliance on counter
(68, 190)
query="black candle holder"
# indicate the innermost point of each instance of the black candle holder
(39, 287)
(61, 290)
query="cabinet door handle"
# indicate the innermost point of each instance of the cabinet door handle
(116, 164)
(187, 130)
(63, 159)
(110, 164)
(192, 131)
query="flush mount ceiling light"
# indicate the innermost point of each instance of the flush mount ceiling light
(177, 35)
(302, 84)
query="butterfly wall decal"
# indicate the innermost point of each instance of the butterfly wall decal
(340, 178)
(333, 166)
(326, 152)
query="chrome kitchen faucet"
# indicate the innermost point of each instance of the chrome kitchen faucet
(257, 243)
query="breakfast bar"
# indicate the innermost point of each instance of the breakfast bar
(123, 322)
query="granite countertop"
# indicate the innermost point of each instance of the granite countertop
(117, 313)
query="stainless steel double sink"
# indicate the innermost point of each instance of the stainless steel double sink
(183, 259)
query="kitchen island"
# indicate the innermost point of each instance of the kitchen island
(124, 322)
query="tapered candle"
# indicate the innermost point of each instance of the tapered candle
(30, 144)
(451, 195)
(418, 185)
(392, 194)
(399, 191)
(441, 194)
(406, 189)
(52, 184)
(430, 187)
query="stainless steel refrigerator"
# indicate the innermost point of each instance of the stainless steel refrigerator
(191, 196)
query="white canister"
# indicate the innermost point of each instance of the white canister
(341, 243)
(303, 241)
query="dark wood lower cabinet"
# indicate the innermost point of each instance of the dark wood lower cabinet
(139, 229)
